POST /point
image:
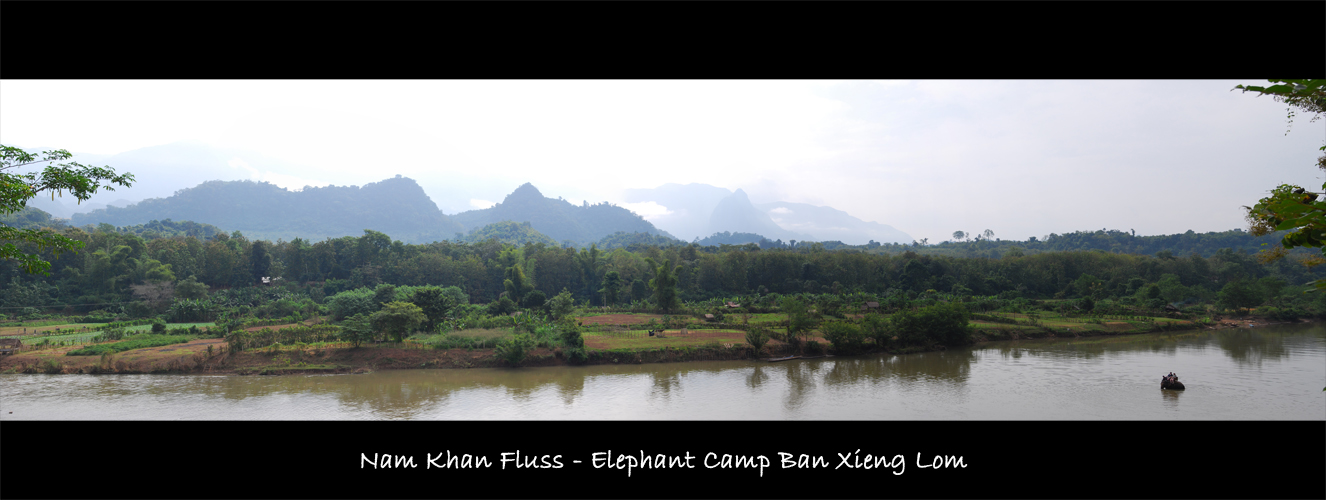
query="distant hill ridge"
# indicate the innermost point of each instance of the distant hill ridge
(397, 207)
(559, 219)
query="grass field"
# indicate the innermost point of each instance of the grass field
(64, 327)
(640, 339)
(169, 326)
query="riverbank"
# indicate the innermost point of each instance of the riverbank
(212, 356)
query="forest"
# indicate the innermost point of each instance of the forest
(140, 270)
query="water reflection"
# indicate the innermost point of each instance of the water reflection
(949, 366)
(1170, 399)
(757, 377)
(800, 382)
(1250, 347)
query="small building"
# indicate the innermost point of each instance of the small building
(10, 346)
(733, 304)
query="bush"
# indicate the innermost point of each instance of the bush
(814, 348)
(847, 338)
(535, 299)
(577, 355)
(158, 326)
(757, 337)
(941, 323)
(570, 335)
(501, 307)
(878, 328)
(515, 348)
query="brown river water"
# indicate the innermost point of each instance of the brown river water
(1265, 373)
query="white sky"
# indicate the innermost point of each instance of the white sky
(1022, 158)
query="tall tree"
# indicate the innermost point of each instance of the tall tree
(612, 285)
(664, 285)
(81, 181)
(516, 285)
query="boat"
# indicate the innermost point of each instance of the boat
(785, 358)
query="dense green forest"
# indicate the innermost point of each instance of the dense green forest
(142, 269)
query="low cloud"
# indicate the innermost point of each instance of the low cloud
(481, 204)
(649, 210)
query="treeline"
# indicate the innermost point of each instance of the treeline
(117, 267)
(1112, 241)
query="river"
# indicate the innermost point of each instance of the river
(1266, 373)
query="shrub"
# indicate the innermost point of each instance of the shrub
(570, 335)
(846, 337)
(814, 347)
(878, 328)
(158, 326)
(941, 323)
(501, 307)
(577, 355)
(561, 305)
(515, 348)
(535, 299)
(757, 337)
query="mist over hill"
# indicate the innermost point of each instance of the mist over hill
(397, 207)
(558, 218)
(735, 213)
(697, 211)
(830, 224)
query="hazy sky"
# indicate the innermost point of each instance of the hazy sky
(1022, 158)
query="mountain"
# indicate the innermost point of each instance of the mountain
(736, 214)
(558, 218)
(829, 224)
(689, 207)
(397, 207)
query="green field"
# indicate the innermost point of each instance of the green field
(640, 339)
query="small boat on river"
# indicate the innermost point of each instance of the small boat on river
(785, 358)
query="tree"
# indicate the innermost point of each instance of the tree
(356, 330)
(517, 287)
(398, 318)
(799, 320)
(1239, 295)
(1290, 207)
(435, 303)
(81, 181)
(534, 299)
(958, 235)
(846, 337)
(612, 285)
(190, 288)
(757, 337)
(561, 304)
(946, 324)
(988, 234)
(664, 285)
